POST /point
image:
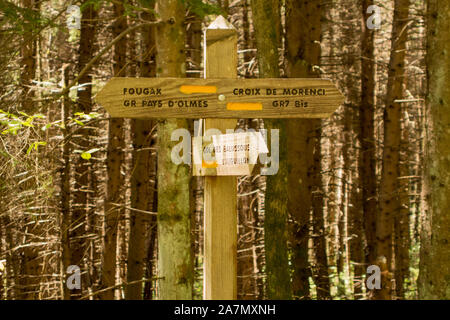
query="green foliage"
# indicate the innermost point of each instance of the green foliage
(202, 9)
(82, 118)
(96, 4)
(79, 118)
(20, 20)
(11, 123)
(35, 146)
(86, 155)
(143, 5)
(129, 10)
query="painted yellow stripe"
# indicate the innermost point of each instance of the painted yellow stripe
(209, 165)
(250, 106)
(186, 89)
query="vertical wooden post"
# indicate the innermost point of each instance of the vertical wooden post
(220, 220)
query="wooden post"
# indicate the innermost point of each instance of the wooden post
(220, 220)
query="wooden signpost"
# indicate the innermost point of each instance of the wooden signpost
(221, 99)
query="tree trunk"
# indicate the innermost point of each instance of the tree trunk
(143, 187)
(65, 186)
(114, 160)
(82, 167)
(144, 175)
(389, 188)
(321, 278)
(28, 63)
(194, 58)
(275, 228)
(351, 222)
(303, 30)
(29, 284)
(175, 263)
(367, 158)
(401, 220)
(435, 253)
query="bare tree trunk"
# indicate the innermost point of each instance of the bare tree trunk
(321, 278)
(141, 251)
(347, 151)
(367, 157)
(194, 60)
(82, 167)
(65, 186)
(303, 30)
(435, 253)
(351, 221)
(333, 208)
(114, 160)
(145, 138)
(401, 220)
(28, 63)
(389, 187)
(30, 278)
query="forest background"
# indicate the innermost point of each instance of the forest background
(368, 186)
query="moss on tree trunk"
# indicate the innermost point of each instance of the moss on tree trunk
(175, 265)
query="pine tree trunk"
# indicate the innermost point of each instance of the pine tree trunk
(275, 221)
(194, 58)
(347, 150)
(65, 186)
(389, 188)
(351, 222)
(367, 157)
(332, 206)
(435, 253)
(175, 264)
(145, 168)
(114, 160)
(401, 220)
(28, 63)
(29, 281)
(321, 278)
(143, 186)
(303, 29)
(82, 167)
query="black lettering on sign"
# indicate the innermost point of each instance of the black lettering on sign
(129, 103)
(234, 161)
(188, 103)
(271, 92)
(236, 147)
(301, 103)
(280, 103)
(247, 91)
(303, 92)
(142, 91)
(152, 103)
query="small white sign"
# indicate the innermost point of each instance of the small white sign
(238, 148)
(230, 154)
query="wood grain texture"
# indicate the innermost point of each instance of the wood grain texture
(117, 96)
(220, 217)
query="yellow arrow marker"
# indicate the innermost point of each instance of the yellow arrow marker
(209, 165)
(250, 106)
(187, 89)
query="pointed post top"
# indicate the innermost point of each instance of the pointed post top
(221, 23)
